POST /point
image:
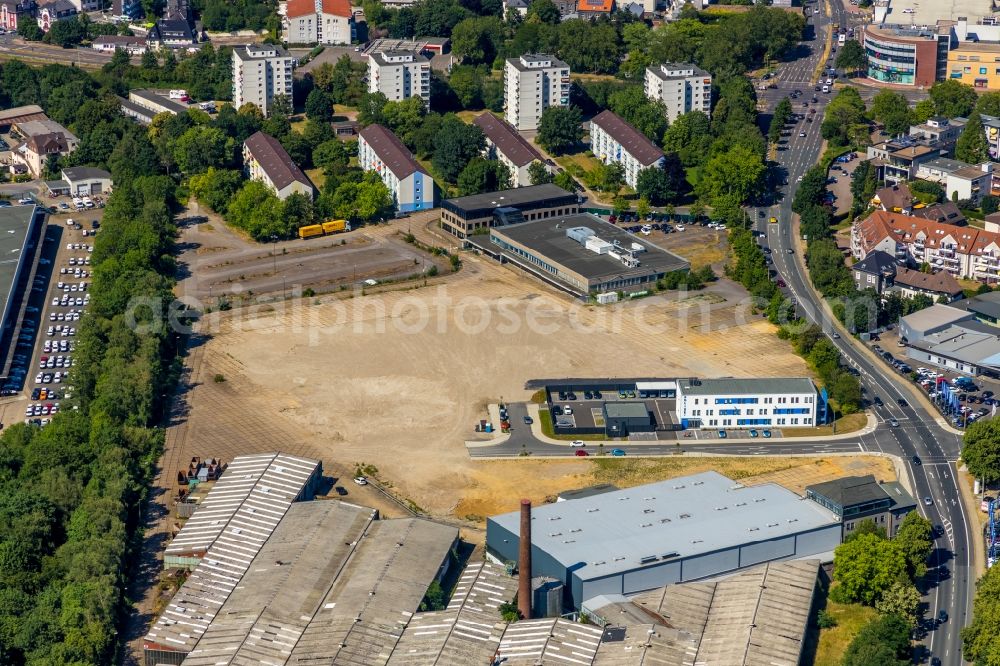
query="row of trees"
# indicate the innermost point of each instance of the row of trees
(69, 32)
(70, 493)
(872, 570)
(728, 44)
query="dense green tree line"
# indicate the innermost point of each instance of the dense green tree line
(70, 493)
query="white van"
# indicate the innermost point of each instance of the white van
(826, 88)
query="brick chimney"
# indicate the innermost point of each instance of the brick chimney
(524, 562)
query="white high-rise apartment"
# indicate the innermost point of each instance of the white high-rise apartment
(531, 84)
(681, 87)
(260, 72)
(399, 75)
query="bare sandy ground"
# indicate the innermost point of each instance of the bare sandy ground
(397, 380)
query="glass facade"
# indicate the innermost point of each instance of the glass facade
(891, 62)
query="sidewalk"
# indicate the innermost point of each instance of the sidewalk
(536, 432)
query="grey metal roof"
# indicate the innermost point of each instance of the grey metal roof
(985, 304)
(283, 588)
(758, 616)
(15, 222)
(755, 386)
(589, 491)
(227, 531)
(901, 497)
(547, 238)
(877, 263)
(935, 316)
(549, 641)
(684, 517)
(468, 631)
(361, 618)
(522, 198)
(152, 97)
(849, 490)
(971, 342)
(85, 173)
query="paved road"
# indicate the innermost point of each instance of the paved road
(36, 52)
(951, 580)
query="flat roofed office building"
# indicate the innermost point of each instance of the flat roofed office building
(749, 403)
(465, 216)
(855, 499)
(583, 254)
(690, 528)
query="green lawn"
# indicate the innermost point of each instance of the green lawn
(833, 642)
(578, 163)
(317, 177)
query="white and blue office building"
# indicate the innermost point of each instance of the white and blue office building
(784, 402)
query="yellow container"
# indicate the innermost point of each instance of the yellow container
(311, 231)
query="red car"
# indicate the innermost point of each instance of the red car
(781, 283)
(581, 453)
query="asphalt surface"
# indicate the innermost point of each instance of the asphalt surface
(950, 584)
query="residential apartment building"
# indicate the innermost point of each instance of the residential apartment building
(961, 180)
(588, 9)
(379, 150)
(531, 84)
(894, 198)
(399, 75)
(260, 73)
(749, 403)
(963, 252)
(40, 139)
(899, 159)
(266, 160)
(126, 9)
(681, 87)
(612, 140)
(318, 22)
(942, 132)
(855, 499)
(879, 271)
(505, 145)
(14, 11)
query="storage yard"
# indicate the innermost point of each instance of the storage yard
(329, 384)
(224, 265)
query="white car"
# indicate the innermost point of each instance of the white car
(361, 481)
(567, 410)
(679, 227)
(577, 443)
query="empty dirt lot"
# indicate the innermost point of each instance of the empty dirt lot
(219, 263)
(396, 380)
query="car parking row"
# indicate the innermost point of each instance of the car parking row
(69, 298)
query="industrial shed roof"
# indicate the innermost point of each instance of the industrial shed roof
(678, 518)
(468, 631)
(227, 530)
(265, 615)
(365, 611)
(249, 499)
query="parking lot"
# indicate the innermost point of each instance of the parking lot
(59, 297)
(580, 408)
(975, 397)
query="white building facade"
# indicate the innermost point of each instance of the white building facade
(681, 87)
(531, 84)
(505, 145)
(399, 75)
(318, 22)
(379, 150)
(721, 404)
(612, 140)
(260, 73)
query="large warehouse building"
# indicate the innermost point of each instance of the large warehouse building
(24, 226)
(582, 254)
(695, 527)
